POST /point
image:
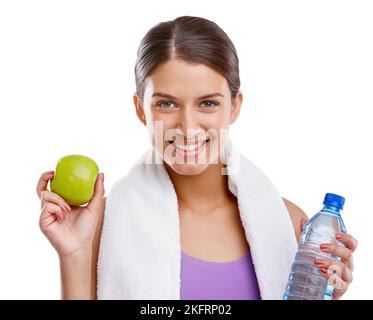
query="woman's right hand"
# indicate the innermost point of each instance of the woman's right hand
(69, 229)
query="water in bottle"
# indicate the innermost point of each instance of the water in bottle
(305, 280)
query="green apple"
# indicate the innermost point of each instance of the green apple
(74, 179)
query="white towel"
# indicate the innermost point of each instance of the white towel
(140, 249)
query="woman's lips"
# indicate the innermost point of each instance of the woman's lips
(188, 150)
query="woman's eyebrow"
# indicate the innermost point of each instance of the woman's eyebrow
(163, 95)
(168, 96)
(216, 94)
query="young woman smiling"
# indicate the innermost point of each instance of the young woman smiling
(187, 79)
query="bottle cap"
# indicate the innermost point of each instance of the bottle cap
(334, 200)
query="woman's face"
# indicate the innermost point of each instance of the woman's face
(187, 109)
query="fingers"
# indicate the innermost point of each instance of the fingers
(337, 273)
(303, 221)
(340, 251)
(330, 267)
(49, 213)
(343, 252)
(98, 195)
(349, 241)
(43, 182)
(49, 196)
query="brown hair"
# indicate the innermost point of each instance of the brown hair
(193, 40)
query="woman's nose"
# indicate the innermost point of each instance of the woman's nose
(188, 120)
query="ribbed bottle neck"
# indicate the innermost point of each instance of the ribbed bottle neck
(331, 209)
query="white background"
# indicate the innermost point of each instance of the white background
(66, 86)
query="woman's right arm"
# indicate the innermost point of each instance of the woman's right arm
(75, 234)
(76, 281)
(76, 277)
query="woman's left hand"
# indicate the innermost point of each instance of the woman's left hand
(339, 273)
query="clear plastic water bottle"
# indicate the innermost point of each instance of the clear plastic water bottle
(305, 280)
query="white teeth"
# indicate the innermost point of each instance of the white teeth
(185, 147)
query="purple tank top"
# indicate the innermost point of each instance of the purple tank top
(206, 280)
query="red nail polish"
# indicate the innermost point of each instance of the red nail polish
(318, 261)
(324, 246)
(339, 236)
(323, 270)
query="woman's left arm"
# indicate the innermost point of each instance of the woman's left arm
(337, 272)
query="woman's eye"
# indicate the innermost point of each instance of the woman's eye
(209, 104)
(165, 104)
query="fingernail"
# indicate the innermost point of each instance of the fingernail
(324, 246)
(318, 261)
(339, 236)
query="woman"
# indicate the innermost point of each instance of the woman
(187, 78)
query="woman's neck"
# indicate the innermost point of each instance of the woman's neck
(205, 191)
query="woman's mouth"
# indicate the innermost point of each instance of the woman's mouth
(190, 149)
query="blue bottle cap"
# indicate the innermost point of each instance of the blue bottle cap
(335, 200)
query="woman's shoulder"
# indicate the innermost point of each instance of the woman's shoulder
(296, 215)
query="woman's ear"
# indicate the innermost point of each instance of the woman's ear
(236, 107)
(139, 109)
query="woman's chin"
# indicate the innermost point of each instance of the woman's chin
(187, 169)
